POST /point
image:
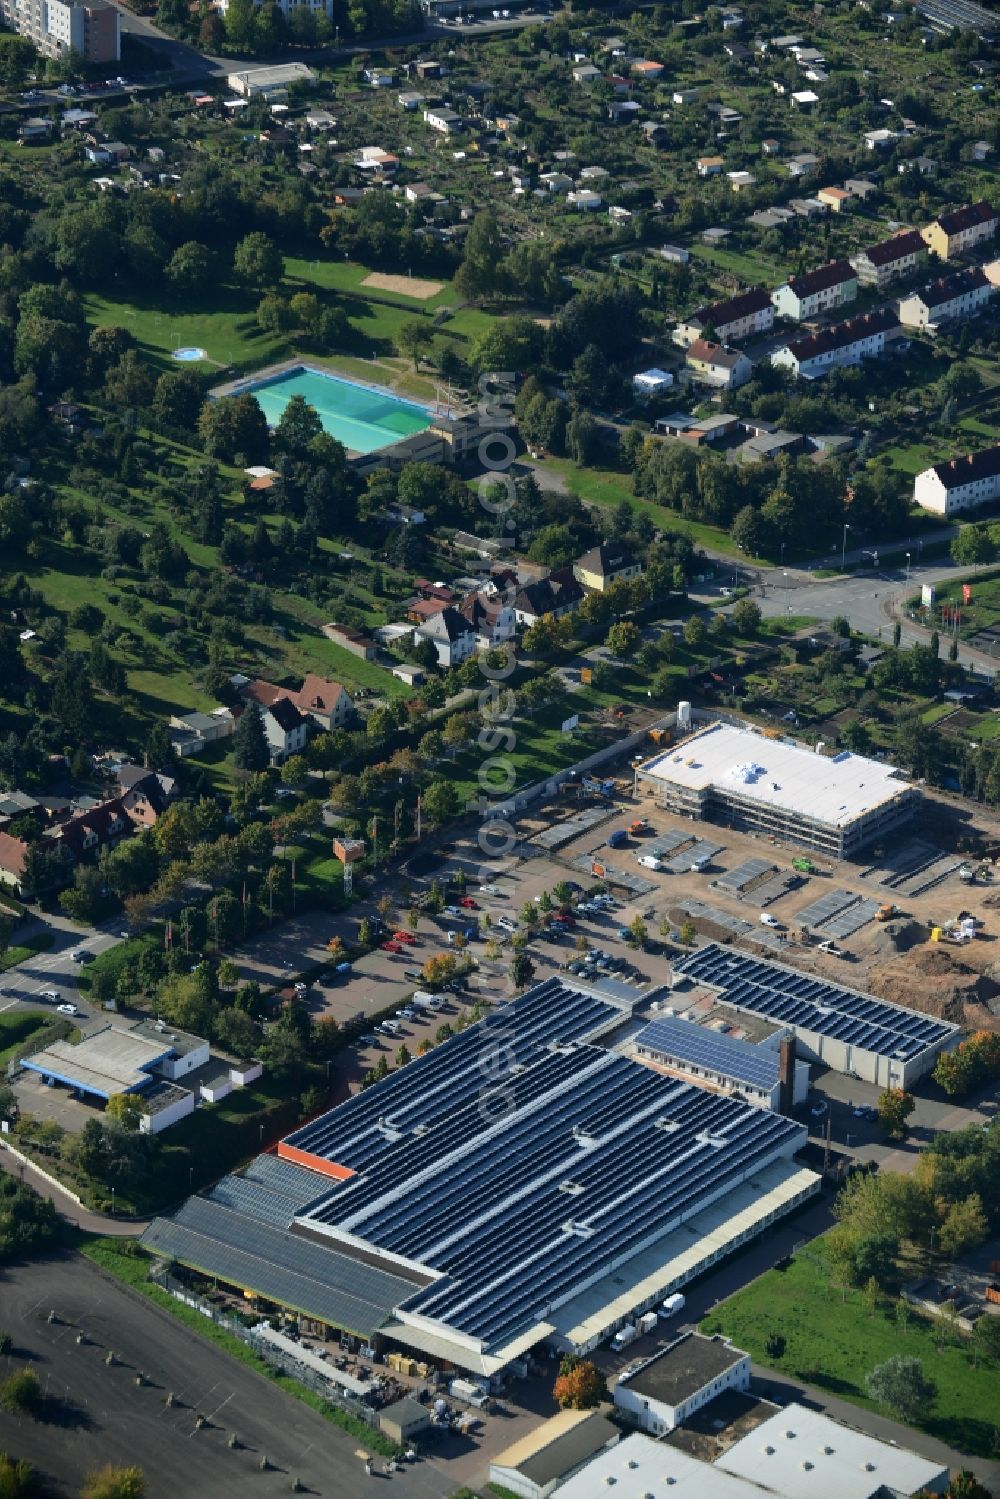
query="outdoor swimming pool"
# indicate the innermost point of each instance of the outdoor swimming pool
(189, 355)
(362, 417)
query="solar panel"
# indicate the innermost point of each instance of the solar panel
(815, 1005)
(681, 1040)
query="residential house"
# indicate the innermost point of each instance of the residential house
(647, 71)
(328, 703)
(804, 99)
(374, 159)
(103, 826)
(492, 618)
(861, 187)
(620, 87)
(952, 234)
(445, 120)
(715, 365)
(952, 297)
(351, 640)
(586, 73)
(741, 181)
(605, 564)
(828, 287)
(807, 208)
(145, 794)
(697, 431)
(648, 384)
(837, 199)
(13, 858)
(409, 100)
(736, 318)
(104, 153)
(191, 732)
(886, 262)
(584, 198)
(770, 147)
(801, 164)
(556, 182)
(709, 166)
(879, 140)
(847, 343)
(285, 728)
(35, 128)
(961, 484)
(558, 594)
(451, 635)
(924, 166)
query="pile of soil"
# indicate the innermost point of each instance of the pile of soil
(935, 981)
(897, 936)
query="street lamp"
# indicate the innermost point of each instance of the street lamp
(843, 548)
(907, 569)
(788, 607)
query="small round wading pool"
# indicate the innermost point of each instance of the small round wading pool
(188, 356)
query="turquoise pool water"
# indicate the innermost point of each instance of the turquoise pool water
(362, 418)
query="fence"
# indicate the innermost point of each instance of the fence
(266, 1350)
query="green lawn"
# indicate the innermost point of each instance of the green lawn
(606, 487)
(835, 1343)
(16, 1026)
(20, 951)
(127, 1263)
(751, 266)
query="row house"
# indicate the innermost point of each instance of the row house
(847, 343)
(890, 260)
(945, 300)
(736, 318)
(960, 484)
(956, 233)
(823, 290)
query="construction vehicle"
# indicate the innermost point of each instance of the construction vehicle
(640, 826)
(804, 866)
(598, 787)
(659, 736)
(992, 1293)
(887, 912)
(967, 874)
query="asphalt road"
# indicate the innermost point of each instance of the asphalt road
(97, 1413)
(55, 968)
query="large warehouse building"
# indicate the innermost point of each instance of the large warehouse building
(846, 1030)
(520, 1182)
(734, 776)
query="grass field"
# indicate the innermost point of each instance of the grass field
(16, 1026)
(607, 487)
(835, 1342)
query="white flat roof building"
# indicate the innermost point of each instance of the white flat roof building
(800, 1452)
(640, 1466)
(733, 775)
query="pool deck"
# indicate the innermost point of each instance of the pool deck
(272, 372)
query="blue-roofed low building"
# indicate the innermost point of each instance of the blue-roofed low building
(756, 1072)
(522, 1182)
(845, 1029)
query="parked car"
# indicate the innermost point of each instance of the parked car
(454, 911)
(490, 890)
(766, 919)
(831, 948)
(819, 1108)
(393, 947)
(67, 1009)
(52, 995)
(468, 903)
(81, 955)
(507, 923)
(407, 938)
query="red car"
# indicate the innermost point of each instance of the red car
(395, 947)
(564, 920)
(407, 938)
(468, 903)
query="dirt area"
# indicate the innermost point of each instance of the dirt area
(406, 286)
(934, 979)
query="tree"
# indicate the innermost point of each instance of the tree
(580, 1385)
(114, 1483)
(440, 802)
(189, 269)
(774, 1345)
(694, 630)
(18, 1479)
(236, 1031)
(479, 274)
(973, 545)
(986, 1340)
(964, 1226)
(250, 750)
(21, 1393)
(521, 969)
(125, 1109)
(746, 616)
(894, 1107)
(901, 1385)
(749, 531)
(403, 1054)
(623, 638)
(257, 261)
(966, 1485)
(638, 932)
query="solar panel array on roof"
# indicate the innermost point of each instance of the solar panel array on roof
(672, 1037)
(799, 999)
(432, 1087)
(597, 1158)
